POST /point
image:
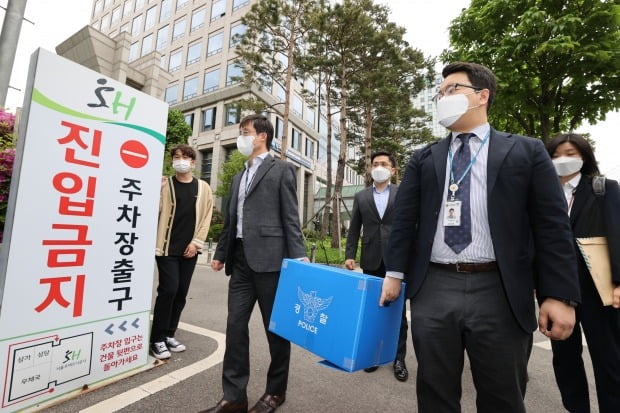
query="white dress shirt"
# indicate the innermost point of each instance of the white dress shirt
(481, 247)
(569, 190)
(381, 198)
(244, 186)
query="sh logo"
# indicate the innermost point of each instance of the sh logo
(116, 103)
(312, 304)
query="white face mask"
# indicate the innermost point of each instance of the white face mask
(245, 144)
(380, 174)
(182, 165)
(451, 108)
(567, 165)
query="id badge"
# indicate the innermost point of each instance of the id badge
(452, 214)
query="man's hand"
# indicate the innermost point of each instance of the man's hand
(556, 319)
(217, 265)
(190, 251)
(390, 290)
(304, 259)
(349, 264)
(616, 302)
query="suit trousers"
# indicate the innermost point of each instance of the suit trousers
(601, 326)
(245, 288)
(175, 276)
(401, 350)
(456, 312)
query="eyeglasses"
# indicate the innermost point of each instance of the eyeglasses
(453, 87)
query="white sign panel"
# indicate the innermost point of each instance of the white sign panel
(78, 267)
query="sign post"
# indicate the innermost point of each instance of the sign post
(76, 271)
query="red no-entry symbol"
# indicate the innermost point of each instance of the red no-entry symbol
(134, 154)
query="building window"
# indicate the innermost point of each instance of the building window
(233, 114)
(218, 9)
(190, 88)
(127, 8)
(136, 28)
(207, 165)
(175, 61)
(162, 37)
(189, 119)
(182, 3)
(134, 49)
(309, 148)
(179, 29)
(211, 81)
(147, 44)
(125, 28)
(139, 4)
(150, 18)
(198, 19)
(105, 22)
(208, 119)
(280, 93)
(296, 139)
(236, 32)
(98, 7)
(237, 4)
(193, 53)
(171, 95)
(279, 129)
(234, 73)
(162, 62)
(309, 116)
(166, 9)
(298, 106)
(106, 3)
(216, 41)
(116, 15)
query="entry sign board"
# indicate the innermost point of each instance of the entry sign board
(78, 258)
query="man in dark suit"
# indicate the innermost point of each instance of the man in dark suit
(261, 228)
(373, 211)
(471, 278)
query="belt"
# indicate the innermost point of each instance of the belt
(468, 266)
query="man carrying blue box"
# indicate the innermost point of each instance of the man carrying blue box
(261, 228)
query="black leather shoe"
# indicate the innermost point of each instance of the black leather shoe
(400, 370)
(225, 406)
(268, 403)
(371, 369)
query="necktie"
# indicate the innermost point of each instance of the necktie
(459, 237)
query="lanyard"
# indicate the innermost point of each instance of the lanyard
(454, 183)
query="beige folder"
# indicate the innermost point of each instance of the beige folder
(596, 255)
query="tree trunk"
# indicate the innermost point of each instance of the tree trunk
(341, 158)
(367, 144)
(287, 91)
(328, 186)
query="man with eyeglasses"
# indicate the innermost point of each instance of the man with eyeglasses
(471, 276)
(261, 227)
(373, 209)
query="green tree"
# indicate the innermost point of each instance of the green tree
(274, 37)
(557, 62)
(230, 168)
(177, 132)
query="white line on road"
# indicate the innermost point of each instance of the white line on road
(138, 393)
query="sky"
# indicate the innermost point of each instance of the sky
(426, 21)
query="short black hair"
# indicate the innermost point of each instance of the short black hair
(383, 153)
(186, 150)
(261, 123)
(479, 76)
(590, 166)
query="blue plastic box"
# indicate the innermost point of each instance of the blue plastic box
(335, 314)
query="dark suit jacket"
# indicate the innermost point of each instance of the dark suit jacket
(596, 216)
(271, 229)
(525, 205)
(376, 231)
